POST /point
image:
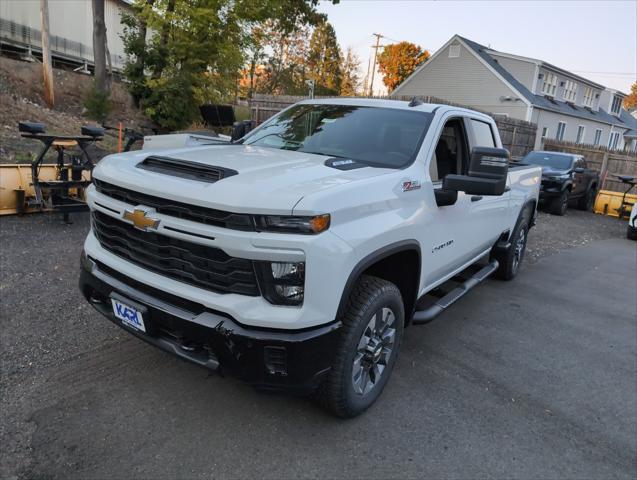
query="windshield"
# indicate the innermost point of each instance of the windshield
(382, 137)
(553, 160)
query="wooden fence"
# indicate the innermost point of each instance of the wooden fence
(608, 162)
(517, 136)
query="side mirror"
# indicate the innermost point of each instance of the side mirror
(241, 129)
(578, 170)
(488, 171)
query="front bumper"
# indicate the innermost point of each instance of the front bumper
(549, 190)
(269, 359)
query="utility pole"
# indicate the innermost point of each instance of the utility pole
(369, 62)
(375, 47)
(47, 67)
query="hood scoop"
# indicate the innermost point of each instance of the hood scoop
(185, 169)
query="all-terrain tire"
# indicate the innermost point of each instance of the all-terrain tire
(559, 205)
(370, 297)
(585, 203)
(510, 259)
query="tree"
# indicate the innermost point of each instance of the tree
(182, 53)
(324, 60)
(99, 46)
(286, 63)
(350, 72)
(399, 60)
(47, 68)
(631, 100)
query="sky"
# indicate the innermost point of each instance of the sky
(594, 39)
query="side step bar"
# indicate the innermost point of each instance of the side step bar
(425, 316)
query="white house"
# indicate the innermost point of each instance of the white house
(565, 106)
(70, 29)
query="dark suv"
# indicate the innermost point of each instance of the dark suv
(565, 178)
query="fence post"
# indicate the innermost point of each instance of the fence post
(603, 170)
(513, 140)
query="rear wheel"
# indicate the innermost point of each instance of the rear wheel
(511, 258)
(559, 204)
(586, 202)
(368, 346)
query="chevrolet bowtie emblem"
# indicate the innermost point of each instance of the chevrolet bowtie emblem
(141, 220)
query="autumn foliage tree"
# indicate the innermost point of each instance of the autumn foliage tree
(182, 53)
(350, 72)
(631, 100)
(397, 61)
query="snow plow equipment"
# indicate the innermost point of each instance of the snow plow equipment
(50, 187)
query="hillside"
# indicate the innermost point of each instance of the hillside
(21, 100)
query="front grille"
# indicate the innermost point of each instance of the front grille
(208, 216)
(199, 265)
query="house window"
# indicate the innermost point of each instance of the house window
(613, 140)
(598, 136)
(570, 91)
(588, 97)
(561, 130)
(549, 85)
(454, 51)
(545, 132)
(616, 105)
(580, 134)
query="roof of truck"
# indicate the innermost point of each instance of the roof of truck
(389, 103)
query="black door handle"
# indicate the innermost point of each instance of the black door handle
(476, 198)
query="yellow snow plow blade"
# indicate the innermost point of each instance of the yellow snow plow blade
(609, 202)
(16, 188)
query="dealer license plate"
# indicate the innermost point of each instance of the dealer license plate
(128, 315)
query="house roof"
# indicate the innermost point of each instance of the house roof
(625, 120)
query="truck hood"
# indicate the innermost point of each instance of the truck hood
(268, 180)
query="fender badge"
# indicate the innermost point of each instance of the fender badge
(411, 185)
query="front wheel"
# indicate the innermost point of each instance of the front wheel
(559, 204)
(367, 350)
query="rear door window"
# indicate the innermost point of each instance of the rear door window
(483, 134)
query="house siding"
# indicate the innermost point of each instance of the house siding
(550, 120)
(524, 72)
(71, 20)
(464, 80)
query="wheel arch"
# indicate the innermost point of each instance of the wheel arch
(399, 263)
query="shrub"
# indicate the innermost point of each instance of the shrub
(98, 104)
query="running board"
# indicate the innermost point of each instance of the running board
(425, 316)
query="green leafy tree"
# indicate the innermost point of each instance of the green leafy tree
(350, 71)
(399, 60)
(324, 60)
(182, 53)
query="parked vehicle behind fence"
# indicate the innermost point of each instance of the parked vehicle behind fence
(565, 179)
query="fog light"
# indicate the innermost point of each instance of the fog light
(281, 283)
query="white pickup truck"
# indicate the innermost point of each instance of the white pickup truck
(295, 257)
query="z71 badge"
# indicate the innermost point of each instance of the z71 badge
(410, 185)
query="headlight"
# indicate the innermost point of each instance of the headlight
(293, 224)
(282, 283)
(560, 177)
